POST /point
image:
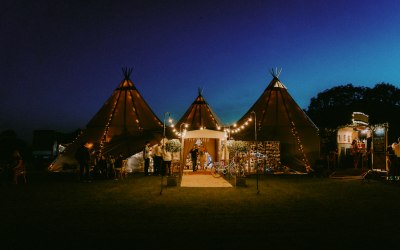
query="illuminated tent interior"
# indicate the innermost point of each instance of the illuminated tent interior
(121, 126)
(279, 118)
(211, 139)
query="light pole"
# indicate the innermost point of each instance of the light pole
(182, 161)
(163, 146)
(255, 139)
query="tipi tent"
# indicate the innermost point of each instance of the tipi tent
(121, 126)
(200, 115)
(279, 119)
(203, 125)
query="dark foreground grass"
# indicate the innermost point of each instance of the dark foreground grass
(290, 212)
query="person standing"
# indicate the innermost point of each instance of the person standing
(146, 158)
(158, 160)
(392, 164)
(193, 155)
(396, 150)
(167, 158)
(100, 168)
(355, 152)
(82, 155)
(111, 167)
(203, 157)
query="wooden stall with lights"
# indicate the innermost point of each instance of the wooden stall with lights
(371, 142)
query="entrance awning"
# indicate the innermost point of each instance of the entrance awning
(205, 133)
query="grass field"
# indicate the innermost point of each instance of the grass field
(290, 212)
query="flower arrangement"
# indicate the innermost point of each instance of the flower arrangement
(238, 147)
(173, 145)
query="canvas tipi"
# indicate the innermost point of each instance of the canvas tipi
(279, 118)
(200, 115)
(203, 125)
(121, 126)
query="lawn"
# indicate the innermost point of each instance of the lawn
(290, 212)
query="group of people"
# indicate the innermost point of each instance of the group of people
(360, 154)
(162, 159)
(97, 165)
(392, 158)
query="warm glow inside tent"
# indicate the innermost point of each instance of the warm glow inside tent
(211, 139)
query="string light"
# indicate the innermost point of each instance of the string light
(299, 144)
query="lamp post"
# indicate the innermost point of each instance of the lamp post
(255, 139)
(163, 146)
(181, 155)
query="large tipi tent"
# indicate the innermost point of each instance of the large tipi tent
(203, 124)
(279, 118)
(121, 126)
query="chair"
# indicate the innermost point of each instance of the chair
(121, 171)
(19, 170)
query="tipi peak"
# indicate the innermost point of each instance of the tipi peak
(275, 72)
(127, 72)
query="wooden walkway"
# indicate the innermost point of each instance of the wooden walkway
(199, 180)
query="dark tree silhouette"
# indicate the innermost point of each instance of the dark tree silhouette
(333, 107)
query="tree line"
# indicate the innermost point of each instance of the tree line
(333, 107)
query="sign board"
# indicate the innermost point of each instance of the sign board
(360, 118)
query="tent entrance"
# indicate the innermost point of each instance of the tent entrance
(207, 152)
(208, 143)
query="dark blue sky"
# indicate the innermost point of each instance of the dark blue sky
(61, 60)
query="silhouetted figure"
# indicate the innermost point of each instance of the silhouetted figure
(368, 153)
(118, 161)
(167, 158)
(19, 167)
(157, 159)
(193, 154)
(82, 155)
(393, 164)
(8, 167)
(146, 158)
(111, 167)
(101, 166)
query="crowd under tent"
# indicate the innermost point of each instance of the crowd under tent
(277, 121)
(122, 126)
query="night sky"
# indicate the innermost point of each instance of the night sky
(61, 60)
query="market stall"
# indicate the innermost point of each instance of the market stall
(362, 145)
